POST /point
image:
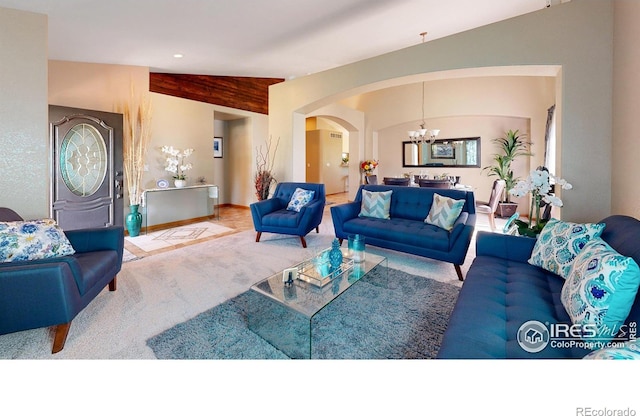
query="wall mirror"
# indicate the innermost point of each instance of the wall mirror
(459, 153)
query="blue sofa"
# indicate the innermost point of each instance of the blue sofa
(502, 291)
(406, 230)
(272, 216)
(51, 292)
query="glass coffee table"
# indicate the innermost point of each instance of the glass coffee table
(282, 313)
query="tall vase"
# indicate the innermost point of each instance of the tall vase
(133, 221)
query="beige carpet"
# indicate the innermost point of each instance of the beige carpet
(159, 291)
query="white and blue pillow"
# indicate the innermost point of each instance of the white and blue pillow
(560, 242)
(375, 204)
(601, 288)
(299, 199)
(32, 240)
(444, 211)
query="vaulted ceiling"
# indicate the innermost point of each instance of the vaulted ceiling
(254, 38)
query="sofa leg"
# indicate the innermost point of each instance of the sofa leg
(318, 229)
(459, 272)
(303, 241)
(60, 337)
(258, 234)
(340, 240)
(112, 284)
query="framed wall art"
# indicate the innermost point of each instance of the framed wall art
(217, 147)
(443, 151)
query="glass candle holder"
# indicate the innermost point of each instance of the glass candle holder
(356, 248)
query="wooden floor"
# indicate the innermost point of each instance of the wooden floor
(236, 218)
(239, 218)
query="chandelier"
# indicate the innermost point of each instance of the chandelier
(423, 135)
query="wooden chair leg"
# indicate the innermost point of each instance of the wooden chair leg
(492, 222)
(60, 337)
(459, 272)
(112, 284)
(258, 234)
(303, 241)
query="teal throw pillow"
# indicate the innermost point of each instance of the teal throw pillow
(375, 204)
(601, 288)
(559, 242)
(629, 350)
(300, 198)
(32, 240)
(444, 211)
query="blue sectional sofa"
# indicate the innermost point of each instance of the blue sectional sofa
(503, 292)
(406, 230)
(52, 291)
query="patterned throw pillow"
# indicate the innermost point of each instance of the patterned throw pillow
(559, 242)
(630, 350)
(32, 240)
(375, 204)
(444, 211)
(601, 288)
(300, 198)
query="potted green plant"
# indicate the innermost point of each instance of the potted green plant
(512, 145)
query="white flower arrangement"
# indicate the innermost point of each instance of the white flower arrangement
(175, 161)
(539, 183)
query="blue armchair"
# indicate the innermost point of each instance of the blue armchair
(52, 291)
(271, 215)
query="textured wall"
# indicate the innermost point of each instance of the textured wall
(23, 113)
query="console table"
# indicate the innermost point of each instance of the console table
(187, 201)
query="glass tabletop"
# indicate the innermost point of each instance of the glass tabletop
(308, 298)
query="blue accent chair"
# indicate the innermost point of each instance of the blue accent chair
(271, 215)
(51, 292)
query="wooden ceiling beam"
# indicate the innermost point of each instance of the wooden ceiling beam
(243, 93)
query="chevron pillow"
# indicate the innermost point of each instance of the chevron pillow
(444, 211)
(375, 204)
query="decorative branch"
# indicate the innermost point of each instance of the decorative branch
(137, 136)
(264, 164)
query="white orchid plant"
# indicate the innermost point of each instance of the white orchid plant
(175, 161)
(540, 184)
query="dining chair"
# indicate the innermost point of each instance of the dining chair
(397, 181)
(490, 207)
(371, 179)
(434, 183)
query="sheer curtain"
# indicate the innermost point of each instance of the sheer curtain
(550, 140)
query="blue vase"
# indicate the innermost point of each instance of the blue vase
(133, 221)
(335, 255)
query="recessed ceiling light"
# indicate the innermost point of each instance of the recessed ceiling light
(178, 55)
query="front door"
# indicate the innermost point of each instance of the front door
(86, 162)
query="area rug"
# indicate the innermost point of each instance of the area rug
(389, 314)
(128, 256)
(179, 235)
